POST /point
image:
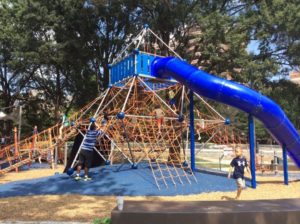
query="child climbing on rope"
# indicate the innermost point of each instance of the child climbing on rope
(200, 125)
(33, 144)
(239, 163)
(64, 123)
(86, 153)
(159, 116)
(104, 119)
(171, 96)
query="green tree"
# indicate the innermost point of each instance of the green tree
(287, 95)
(113, 25)
(44, 48)
(66, 46)
(60, 50)
(276, 26)
(170, 20)
(220, 45)
(15, 53)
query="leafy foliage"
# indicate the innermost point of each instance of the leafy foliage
(54, 55)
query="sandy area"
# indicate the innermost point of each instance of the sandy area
(30, 174)
(87, 208)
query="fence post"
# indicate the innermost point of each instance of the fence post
(66, 154)
(55, 156)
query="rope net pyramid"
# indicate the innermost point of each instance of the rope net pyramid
(137, 137)
(131, 133)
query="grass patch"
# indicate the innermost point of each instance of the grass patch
(102, 221)
(208, 164)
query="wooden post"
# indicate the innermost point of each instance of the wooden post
(16, 152)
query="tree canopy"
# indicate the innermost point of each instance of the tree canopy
(54, 55)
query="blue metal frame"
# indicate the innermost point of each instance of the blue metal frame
(252, 150)
(285, 166)
(122, 69)
(192, 131)
(133, 64)
(143, 64)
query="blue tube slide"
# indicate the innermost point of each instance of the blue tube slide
(235, 95)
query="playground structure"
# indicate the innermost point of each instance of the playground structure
(140, 81)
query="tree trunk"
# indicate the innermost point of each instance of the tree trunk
(57, 102)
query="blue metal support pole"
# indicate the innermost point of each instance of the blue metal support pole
(252, 150)
(285, 166)
(192, 131)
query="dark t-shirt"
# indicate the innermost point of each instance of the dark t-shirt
(239, 165)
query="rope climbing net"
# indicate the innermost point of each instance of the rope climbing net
(143, 121)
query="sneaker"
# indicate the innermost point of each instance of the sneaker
(86, 178)
(77, 177)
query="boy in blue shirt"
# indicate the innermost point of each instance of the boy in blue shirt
(86, 153)
(239, 163)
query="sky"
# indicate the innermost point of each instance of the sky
(253, 47)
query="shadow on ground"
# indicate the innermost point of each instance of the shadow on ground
(109, 180)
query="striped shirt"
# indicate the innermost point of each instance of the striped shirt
(90, 140)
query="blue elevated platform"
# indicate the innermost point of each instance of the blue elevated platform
(137, 63)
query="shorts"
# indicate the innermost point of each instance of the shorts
(240, 183)
(86, 158)
(172, 102)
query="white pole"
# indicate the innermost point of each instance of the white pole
(165, 44)
(128, 94)
(182, 99)
(133, 40)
